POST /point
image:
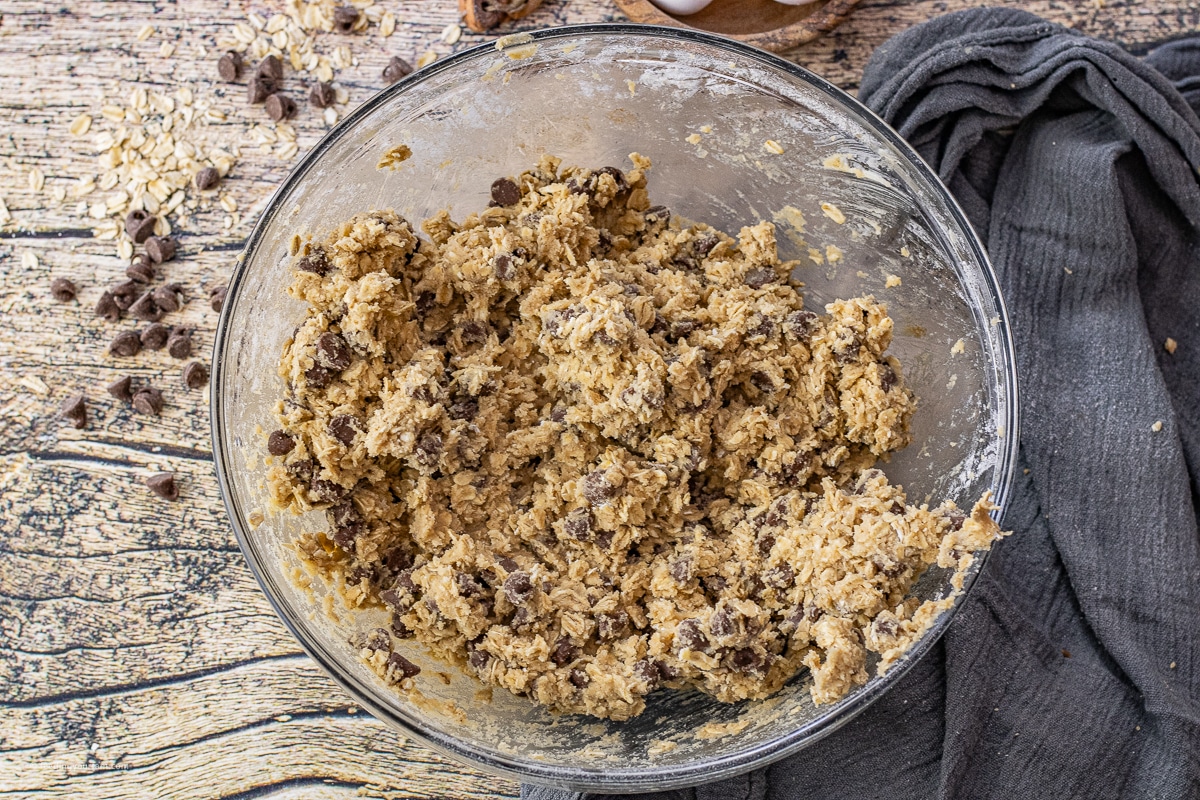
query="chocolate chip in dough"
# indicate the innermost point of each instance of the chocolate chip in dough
(518, 588)
(148, 400)
(578, 524)
(195, 375)
(344, 428)
(139, 225)
(63, 290)
(596, 488)
(315, 262)
(564, 652)
(229, 66)
(396, 69)
(74, 410)
(207, 178)
(406, 668)
(280, 443)
(758, 278)
(121, 389)
(505, 192)
(163, 485)
(333, 352)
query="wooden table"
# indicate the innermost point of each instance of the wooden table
(138, 656)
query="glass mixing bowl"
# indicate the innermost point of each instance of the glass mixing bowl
(772, 139)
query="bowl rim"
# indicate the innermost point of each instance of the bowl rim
(581, 778)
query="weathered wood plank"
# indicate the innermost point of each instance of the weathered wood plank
(127, 624)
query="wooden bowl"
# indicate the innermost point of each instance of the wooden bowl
(762, 23)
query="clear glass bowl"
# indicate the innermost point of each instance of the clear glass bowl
(592, 95)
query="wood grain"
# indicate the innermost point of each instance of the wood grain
(137, 656)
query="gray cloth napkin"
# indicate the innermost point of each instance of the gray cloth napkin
(1073, 670)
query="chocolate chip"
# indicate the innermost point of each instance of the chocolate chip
(270, 68)
(166, 298)
(812, 613)
(703, 244)
(603, 338)
(400, 630)
(429, 449)
(657, 214)
(559, 414)
(801, 324)
(722, 622)
(518, 588)
(611, 626)
(280, 443)
(505, 192)
(479, 659)
(473, 332)
(125, 293)
(344, 428)
(762, 381)
(464, 409)
(303, 469)
(347, 525)
(324, 491)
(689, 635)
(146, 308)
(596, 488)
(163, 485)
(107, 307)
(74, 410)
(229, 66)
(125, 344)
(508, 564)
(333, 352)
(179, 345)
(758, 278)
(647, 670)
(160, 248)
(564, 652)
(63, 290)
(140, 269)
(578, 524)
(467, 585)
(681, 569)
(216, 297)
(315, 262)
(322, 95)
(318, 377)
(259, 89)
(887, 628)
(780, 577)
(887, 376)
(120, 389)
(396, 69)
(148, 400)
(574, 187)
(579, 678)
(195, 375)
(207, 178)
(280, 107)
(503, 267)
(746, 660)
(617, 176)
(155, 336)
(344, 18)
(406, 668)
(139, 225)
(956, 520)
(765, 328)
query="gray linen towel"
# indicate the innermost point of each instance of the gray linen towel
(1073, 670)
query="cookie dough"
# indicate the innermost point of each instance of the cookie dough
(588, 451)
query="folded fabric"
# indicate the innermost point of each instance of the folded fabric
(1073, 669)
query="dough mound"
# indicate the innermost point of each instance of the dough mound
(587, 451)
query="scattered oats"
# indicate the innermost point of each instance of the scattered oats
(227, 223)
(631, 84)
(34, 384)
(1157, 426)
(37, 179)
(862, 276)
(451, 33)
(833, 212)
(904, 252)
(280, 40)
(706, 128)
(29, 259)
(145, 32)
(256, 20)
(107, 229)
(166, 50)
(959, 347)
(341, 57)
(953, 380)
(98, 210)
(285, 132)
(995, 320)
(816, 256)
(512, 39)
(294, 244)
(162, 227)
(695, 138)
(1169, 345)
(243, 33)
(80, 125)
(772, 146)
(1068, 271)
(288, 150)
(276, 23)
(228, 203)
(892, 281)
(214, 115)
(125, 249)
(59, 193)
(1172, 665)
(833, 253)
(5, 216)
(331, 116)
(387, 24)
(394, 157)
(427, 58)
(113, 113)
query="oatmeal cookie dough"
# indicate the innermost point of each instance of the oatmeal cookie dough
(588, 452)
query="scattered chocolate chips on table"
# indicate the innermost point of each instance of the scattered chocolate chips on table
(148, 400)
(216, 297)
(179, 345)
(163, 485)
(126, 344)
(207, 178)
(322, 95)
(121, 389)
(155, 336)
(280, 107)
(195, 375)
(63, 290)
(74, 410)
(139, 225)
(344, 18)
(160, 248)
(396, 69)
(229, 66)
(146, 308)
(140, 269)
(107, 307)
(259, 89)
(167, 297)
(270, 68)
